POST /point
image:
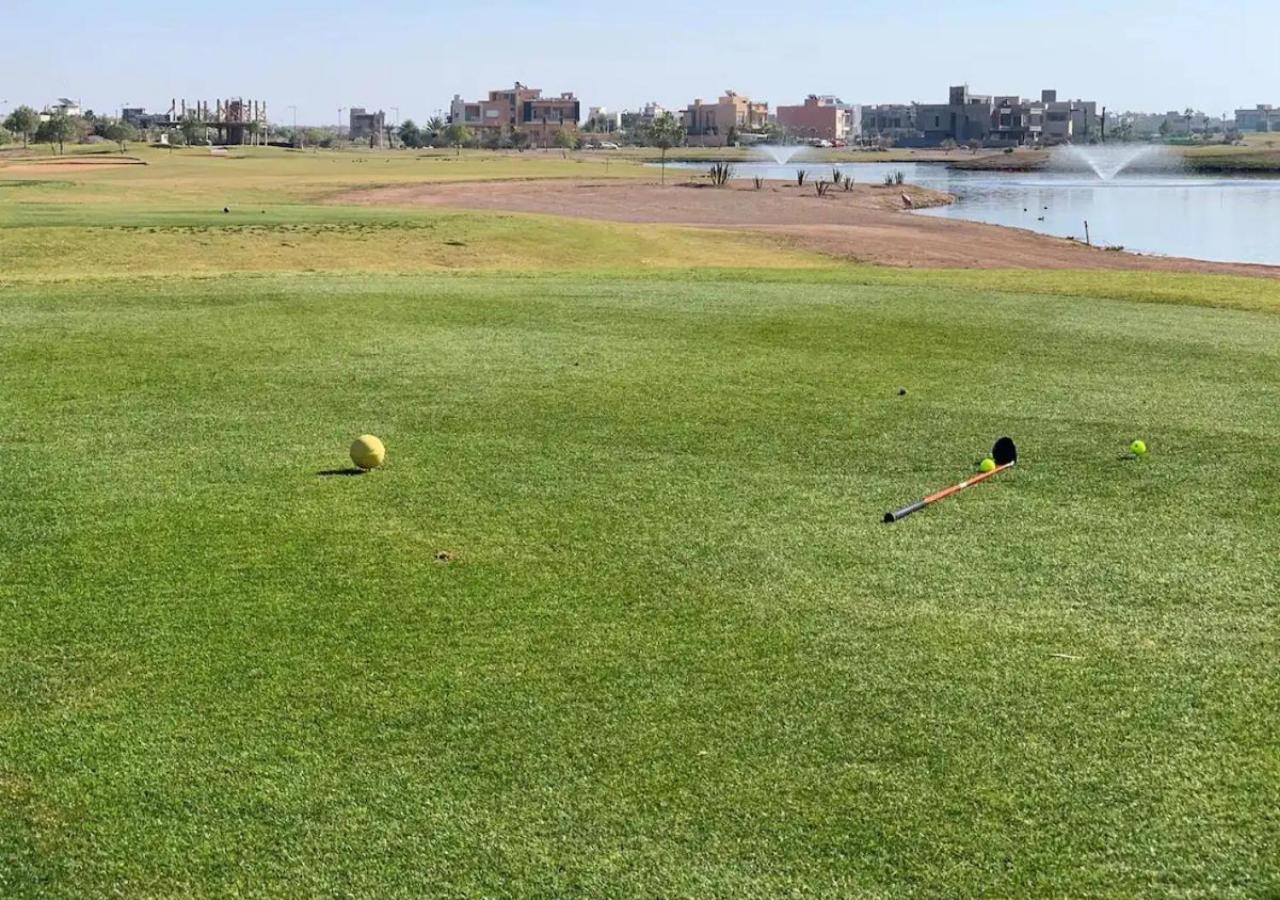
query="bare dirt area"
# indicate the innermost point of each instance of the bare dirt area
(869, 223)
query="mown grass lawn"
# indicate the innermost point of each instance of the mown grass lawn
(619, 617)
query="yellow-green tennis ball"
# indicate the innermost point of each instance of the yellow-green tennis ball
(1138, 448)
(367, 452)
(987, 465)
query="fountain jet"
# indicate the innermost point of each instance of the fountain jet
(781, 154)
(1108, 161)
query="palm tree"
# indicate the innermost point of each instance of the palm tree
(433, 127)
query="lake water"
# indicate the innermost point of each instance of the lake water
(1228, 219)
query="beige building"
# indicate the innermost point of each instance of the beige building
(822, 118)
(517, 108)
(710, 124)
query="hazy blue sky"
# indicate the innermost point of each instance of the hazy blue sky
(1127, 54)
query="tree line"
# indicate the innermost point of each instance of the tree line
(58, 128)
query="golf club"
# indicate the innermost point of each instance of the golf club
(1004, 454)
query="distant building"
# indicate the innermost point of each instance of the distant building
(65, 106)
(517, 108)
(634, 121)
(1016, 122)
(712, 124)
(890, 122)
(1003, 120)
(139, 118)
(1263, 117)
(601, 119)
(1074, 121)
(825, 118)
(231, 120)
(963, 118)
(367, 126)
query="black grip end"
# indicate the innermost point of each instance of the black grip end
(891, 517)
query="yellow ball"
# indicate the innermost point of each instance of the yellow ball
(367, 452)
(1138, 448)
(987, 465)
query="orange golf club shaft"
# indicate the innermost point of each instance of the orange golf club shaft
(1004, 449)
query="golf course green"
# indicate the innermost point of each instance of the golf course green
(619, 615)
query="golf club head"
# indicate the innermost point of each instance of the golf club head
(1004, 452)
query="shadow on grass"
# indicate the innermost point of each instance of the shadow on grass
(350, 470)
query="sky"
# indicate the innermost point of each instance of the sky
(1148, 55)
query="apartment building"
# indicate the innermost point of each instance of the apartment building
(1006, 120)
(1069, 120)
(1016, 122)
(710, 124)
(1263, 117)
(890, 121)
(517, 107)
(825, 118)
(963, 118)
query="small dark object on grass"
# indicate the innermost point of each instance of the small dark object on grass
(902, 392)
(349, 471)
(444, 556)
(226, 209)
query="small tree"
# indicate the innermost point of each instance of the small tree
(120, 132)
(192, 131)
(410, 135)
(24, 121)
(431, 131)
(665, 133)
(57, 131)
(566, 139)
(457, 135)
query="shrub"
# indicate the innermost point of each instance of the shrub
(721, 172)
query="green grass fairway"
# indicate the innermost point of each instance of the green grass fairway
(619, 617)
